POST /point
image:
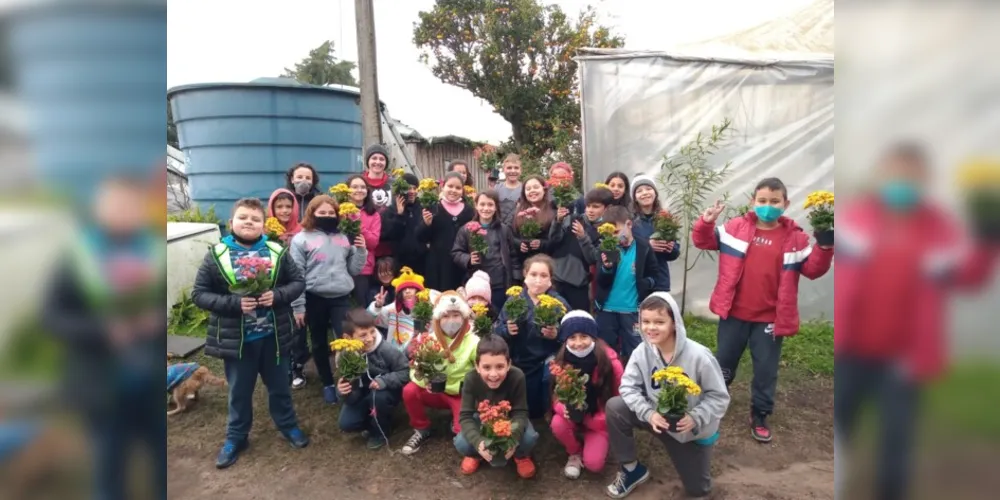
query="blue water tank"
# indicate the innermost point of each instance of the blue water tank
(239, 139)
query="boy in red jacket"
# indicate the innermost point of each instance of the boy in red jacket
(761, 256)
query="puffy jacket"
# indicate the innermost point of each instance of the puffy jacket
(225, 321)
(732, 240)
(948, 264)
(371, 229)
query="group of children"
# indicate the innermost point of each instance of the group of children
(316, 270)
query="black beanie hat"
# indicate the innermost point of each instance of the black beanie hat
(376, 149)
(411, 180)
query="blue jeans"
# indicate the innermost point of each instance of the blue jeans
(524, 447)
(538, 389)
(259, 357)
(357, 417)
(618, 330)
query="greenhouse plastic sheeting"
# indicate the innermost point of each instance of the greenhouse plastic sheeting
(639, 106)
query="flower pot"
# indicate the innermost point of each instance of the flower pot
(419, 326)
(498, 459)
(613, 257)
(673, 419)
(438, 384)
(824, 238)
(576, 415)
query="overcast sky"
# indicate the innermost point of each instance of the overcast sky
(240, 40)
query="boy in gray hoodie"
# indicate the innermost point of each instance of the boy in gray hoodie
(665, 343)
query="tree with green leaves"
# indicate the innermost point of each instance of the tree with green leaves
(321, 67)
(518, 56)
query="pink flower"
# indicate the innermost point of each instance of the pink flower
(472, 227)
(481, 232)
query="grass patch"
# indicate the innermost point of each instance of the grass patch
(809, 352)
(962, 400)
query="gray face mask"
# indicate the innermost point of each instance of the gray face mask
(302, 187)
(451, 327)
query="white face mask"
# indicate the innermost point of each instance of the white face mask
(451, 327)
(303, 187)
(582, 353)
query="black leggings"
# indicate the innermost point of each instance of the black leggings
(361, 286)
(321, 314)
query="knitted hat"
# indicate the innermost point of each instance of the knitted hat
(376, 149)
(643, 180)
(479, 286)
(411, 179)
(577, 322)
(408, 279)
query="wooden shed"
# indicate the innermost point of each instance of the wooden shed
(432, 155)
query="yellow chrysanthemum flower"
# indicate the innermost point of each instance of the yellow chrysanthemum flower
(470, 190)
(607, 229)
(347, 208)
(347, 345)
(819, 198)
(480, 309)
(514, 291)
(427, 184)
(674, 369)
(340, 189)
(600, 185)
(398, 172)
(979, 173)
(273, 226)
(424, 295)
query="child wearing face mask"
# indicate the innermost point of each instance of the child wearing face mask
(622, 284)
(303, 180)
(451, 329)
(761, 256)
(328, 261)
(532, 346)
(396, 317)
(440, 229)
(500, 259)
(582, 349)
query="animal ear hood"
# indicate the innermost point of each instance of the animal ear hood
(451, 301)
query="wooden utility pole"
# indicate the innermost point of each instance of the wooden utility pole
(371, 116)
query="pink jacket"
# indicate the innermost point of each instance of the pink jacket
(617, 369)
(948, 262)
(733, 238)
(371, 229)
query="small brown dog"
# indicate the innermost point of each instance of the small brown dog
(191, 380)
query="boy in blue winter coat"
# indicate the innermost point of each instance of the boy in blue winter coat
(622, 284)
(252, 335)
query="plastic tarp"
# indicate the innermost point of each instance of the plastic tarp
(639, 106)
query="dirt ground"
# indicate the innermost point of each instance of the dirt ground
(798, 464)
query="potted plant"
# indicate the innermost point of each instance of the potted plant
(487, 156)
(549, 311)
(516, 306)
(675, 387)
(571, 389)
(428, 362)
(422, 312)
(470, 195)
(352, 365)
(482, 325)
(427, 194)
(273, 229)
(609, 242)
(665, 227)
(350, 220)
(980, 181)
(498, 430)
(255, 276)
(477, 239)
(530, 229)
(341, 192)
(563, 192)
(399, 185)
(821, 216)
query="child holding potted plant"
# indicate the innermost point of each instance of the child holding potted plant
(625, 277)
(440, 229)
(762, 255)
(584, 352)
(689, 441)
(494, 413)
(653, 224)
(397, 317)
(484, 244)
(532, 336)
(533, 220)
(451, 330)
(384, 372)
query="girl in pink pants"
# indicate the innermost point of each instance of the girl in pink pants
(582, 349)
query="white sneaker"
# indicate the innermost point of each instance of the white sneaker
(413, 445)
(298, 382)
(573, 467)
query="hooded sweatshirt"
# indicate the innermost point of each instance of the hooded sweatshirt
(386, 365)
(639, 392)
(292, 227)
(328, 261)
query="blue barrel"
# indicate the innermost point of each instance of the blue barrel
(239, 139)
(91, 76)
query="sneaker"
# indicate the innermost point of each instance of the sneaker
(297, 437)
(525, 467)
(229, 453)
(330, 395)
(298, 378)
(470, 465)
(626, 481)
(413, 445)
(573, 467)
(375, 442)
(759, 429)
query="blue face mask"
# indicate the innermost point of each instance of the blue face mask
(768, 213)
(900, 195)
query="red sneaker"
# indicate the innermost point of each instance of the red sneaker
(470, 465)
(759, 429)
(525, 467)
